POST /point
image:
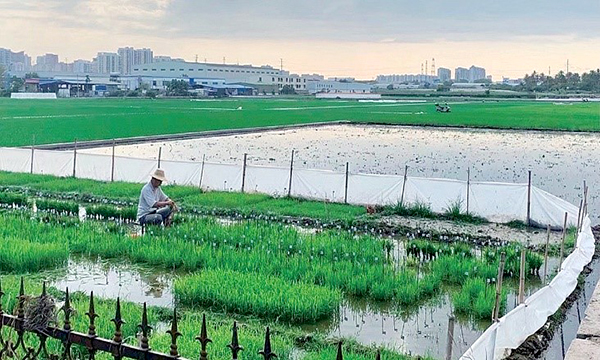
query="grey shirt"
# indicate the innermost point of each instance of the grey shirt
(148, 197)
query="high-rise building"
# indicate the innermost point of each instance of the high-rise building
(126, 57)
(444, 74)
(143, 56)
(107, 62)
(476, 73)
(82, 67)
(47, 62)
(461, 74)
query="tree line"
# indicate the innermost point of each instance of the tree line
(561, 82)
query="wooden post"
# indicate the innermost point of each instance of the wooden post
(403, 185)
(291, 174)
(346, 186)
(579, 215)
(159, 155)
(112, 163)
(468, 187)
(522, 278)
(529, 199)
(562, 242)
(32, 151)
(201, 172)
(450, 340)
(585, 203)
(74, 157)
(244, 172)
(546, 254)
(499, 287)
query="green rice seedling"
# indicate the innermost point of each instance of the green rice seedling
(316, 349)
(111, 212)
(477, 298)
(13, 198)
(259, 295)
(60, 207)
(20, 256)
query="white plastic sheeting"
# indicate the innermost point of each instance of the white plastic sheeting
(498, 202)
(511, 330)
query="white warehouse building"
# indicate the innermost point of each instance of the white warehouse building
(330, 86)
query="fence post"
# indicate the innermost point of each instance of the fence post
(74, 157)
(546, 254)
(450, 340)
(159, 155)
(403, 185)
(468, 187)
(346, 186)
(499, 287)
(562, 242)
(522, 277)
(529, 199)
(112, 163)
(585, 203)
(244, 172)
(579, 215)
(32, 150)
(291, 173)
(201, 172)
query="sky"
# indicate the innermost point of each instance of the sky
(354, 38)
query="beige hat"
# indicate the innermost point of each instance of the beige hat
(159, 174)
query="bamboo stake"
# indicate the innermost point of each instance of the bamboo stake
(291, 174)
(32, 151)
(450, 341)
(529, 199)
(244, 172)
(562, 243)
(522, 278)
(546, 254)
(346, 186)
(159, 155)
(201, 172)
(499, 287)
(579, 215)
(403, 185)
(112, 163)
(468, 187)
(74, 157)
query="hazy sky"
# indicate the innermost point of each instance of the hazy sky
(331, 37)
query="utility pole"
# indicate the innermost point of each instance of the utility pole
(567, 66)
(281, 68)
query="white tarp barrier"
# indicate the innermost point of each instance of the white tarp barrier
(53, 163)
(499, 202)
(15, 160)
(549, 209)
(439, 194)
(92, 166)
(133, 170)
(365, 189)
(182, 172)
(221, 177)
(267, 180)
(510, 331)
(319, 184)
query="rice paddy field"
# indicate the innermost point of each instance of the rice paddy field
(394, 293)
(87, 119)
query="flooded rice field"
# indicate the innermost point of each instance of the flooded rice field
(559, 161)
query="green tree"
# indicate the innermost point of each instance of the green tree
(2, 74)
(16, 83)
(32, 75)
(287, 90)
(178, 88)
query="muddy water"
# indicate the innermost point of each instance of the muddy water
(416, 330)
(559, 161)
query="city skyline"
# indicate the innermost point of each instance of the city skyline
(340, 38)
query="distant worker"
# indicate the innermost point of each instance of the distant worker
(155, 207)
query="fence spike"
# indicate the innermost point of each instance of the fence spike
(118, 336)
(339, 356)
(21, 301)
(378, 356)
(235, 344)
(1, 295)
(203, 339)
(266, 352)
(92, 315)
(174, 334)
(44, 289)
(67, 310)
(145, 329)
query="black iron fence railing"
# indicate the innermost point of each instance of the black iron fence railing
(27, 321)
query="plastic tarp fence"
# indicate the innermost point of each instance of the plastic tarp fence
(319, 184)
(364, 189)
(15, 160)
(267, 180)
(500, 202)
(510, 331)
(439, 194)
(221, 177)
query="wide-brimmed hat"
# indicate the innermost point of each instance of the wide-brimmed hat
(159, 174)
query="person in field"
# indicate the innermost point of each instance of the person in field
(155, 207)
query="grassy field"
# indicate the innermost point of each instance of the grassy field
(86, 119)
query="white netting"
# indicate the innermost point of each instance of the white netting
(494, 201)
